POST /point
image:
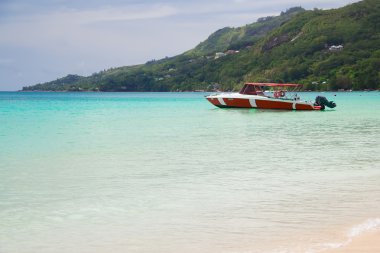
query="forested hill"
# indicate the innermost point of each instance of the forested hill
(322, 49)
(239, 38)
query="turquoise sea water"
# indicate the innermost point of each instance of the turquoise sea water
(168, 172)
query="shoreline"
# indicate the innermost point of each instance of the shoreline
(368, 242)
(363, 237)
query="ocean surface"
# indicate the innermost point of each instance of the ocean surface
(169, 173)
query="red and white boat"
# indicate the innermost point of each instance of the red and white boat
(254, 95)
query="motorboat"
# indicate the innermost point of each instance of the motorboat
(268, 96)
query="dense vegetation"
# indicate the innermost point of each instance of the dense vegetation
(297, 46)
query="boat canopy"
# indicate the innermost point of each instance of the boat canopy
(275, 84)
(257, 88)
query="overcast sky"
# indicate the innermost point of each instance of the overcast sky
(42, 40)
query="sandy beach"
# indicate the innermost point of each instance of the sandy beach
(366, 243)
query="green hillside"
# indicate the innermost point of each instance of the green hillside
(323, 49)
(237, 38)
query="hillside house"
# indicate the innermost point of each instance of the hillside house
(334, 48)
(219, 55)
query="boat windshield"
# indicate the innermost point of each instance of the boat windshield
(251, 90)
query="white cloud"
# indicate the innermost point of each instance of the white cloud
(114, 14)
(73, 28)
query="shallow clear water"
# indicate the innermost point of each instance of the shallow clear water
(168, 172)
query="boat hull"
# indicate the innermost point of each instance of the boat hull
(260, 102)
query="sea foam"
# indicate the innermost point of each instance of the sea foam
(370, 224)
(357, 230)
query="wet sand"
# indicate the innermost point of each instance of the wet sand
(366, 243)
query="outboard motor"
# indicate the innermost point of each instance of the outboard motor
(322, 102)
